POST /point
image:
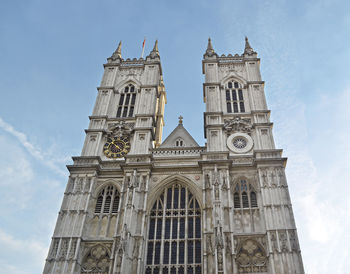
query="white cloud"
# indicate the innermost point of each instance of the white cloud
(33, 150)
(31, 249)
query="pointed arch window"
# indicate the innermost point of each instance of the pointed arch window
(244, 195)
(174, 235)
(107, 201)
(234, 97)
(127, 102)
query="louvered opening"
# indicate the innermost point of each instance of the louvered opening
(107, 205)
(99, 204)
(115, 204)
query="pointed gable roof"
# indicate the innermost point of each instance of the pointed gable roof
(179, 133)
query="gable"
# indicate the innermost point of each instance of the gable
(179, 137)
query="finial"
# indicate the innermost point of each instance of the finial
(118, 51)
(210, 50)
(180, 120)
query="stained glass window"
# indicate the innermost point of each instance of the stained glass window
(174, 236)
(127, 102)
(234, 103)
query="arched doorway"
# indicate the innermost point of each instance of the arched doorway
(174, 234)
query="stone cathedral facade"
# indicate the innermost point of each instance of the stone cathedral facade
(135, 204)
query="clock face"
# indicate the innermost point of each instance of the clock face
(116, 147)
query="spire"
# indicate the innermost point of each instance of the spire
(210, 50)
(118, 52)
(248, 50)
(155, 53)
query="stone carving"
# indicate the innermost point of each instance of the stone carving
(63, 249)
(207, 181)
(219, 243)
(283, 241)
(264, 178)
(237, 125)
(78, 184)
(224, 184)
(97, 260)
(228, 244)
(210, 249)
(220, 260)
(135, 252)
(282, 178)
(273, 176)
(251, 257)
(73, 247)
(54, 249)
(120, 129)
(274, 242)
(293, 240)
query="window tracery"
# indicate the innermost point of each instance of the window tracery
(234, 97)
(244, 195)
(127, 102)
(174, 215)
(107, 200)
(251, 258)
(96, 261)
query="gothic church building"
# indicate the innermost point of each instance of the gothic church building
(135, 204)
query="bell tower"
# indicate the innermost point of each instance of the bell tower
(100, 224)
(246, 193)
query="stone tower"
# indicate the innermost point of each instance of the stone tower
(135, 204)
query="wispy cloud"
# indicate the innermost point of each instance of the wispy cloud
(28, 248)
(33, 150)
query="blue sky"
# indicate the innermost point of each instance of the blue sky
(51, 56)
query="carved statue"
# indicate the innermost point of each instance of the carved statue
(218, 238)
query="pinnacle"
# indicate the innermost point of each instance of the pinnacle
(210, 46)
(248, 50)
(118, 51)
(155, 48)
(155, 52)
(210, 50)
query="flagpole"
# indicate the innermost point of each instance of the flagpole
(143, 47)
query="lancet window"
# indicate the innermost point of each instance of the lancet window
(234, 97)
(174, 236)
(244, 195)
(107, 200)
(127, 102)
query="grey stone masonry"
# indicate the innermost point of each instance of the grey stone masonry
(136, 205)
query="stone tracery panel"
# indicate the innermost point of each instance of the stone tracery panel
(251, 257)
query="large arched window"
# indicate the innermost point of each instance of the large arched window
(244, 195)
(234, 97)
(174, 236)
(107, 200)
(127, 102)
